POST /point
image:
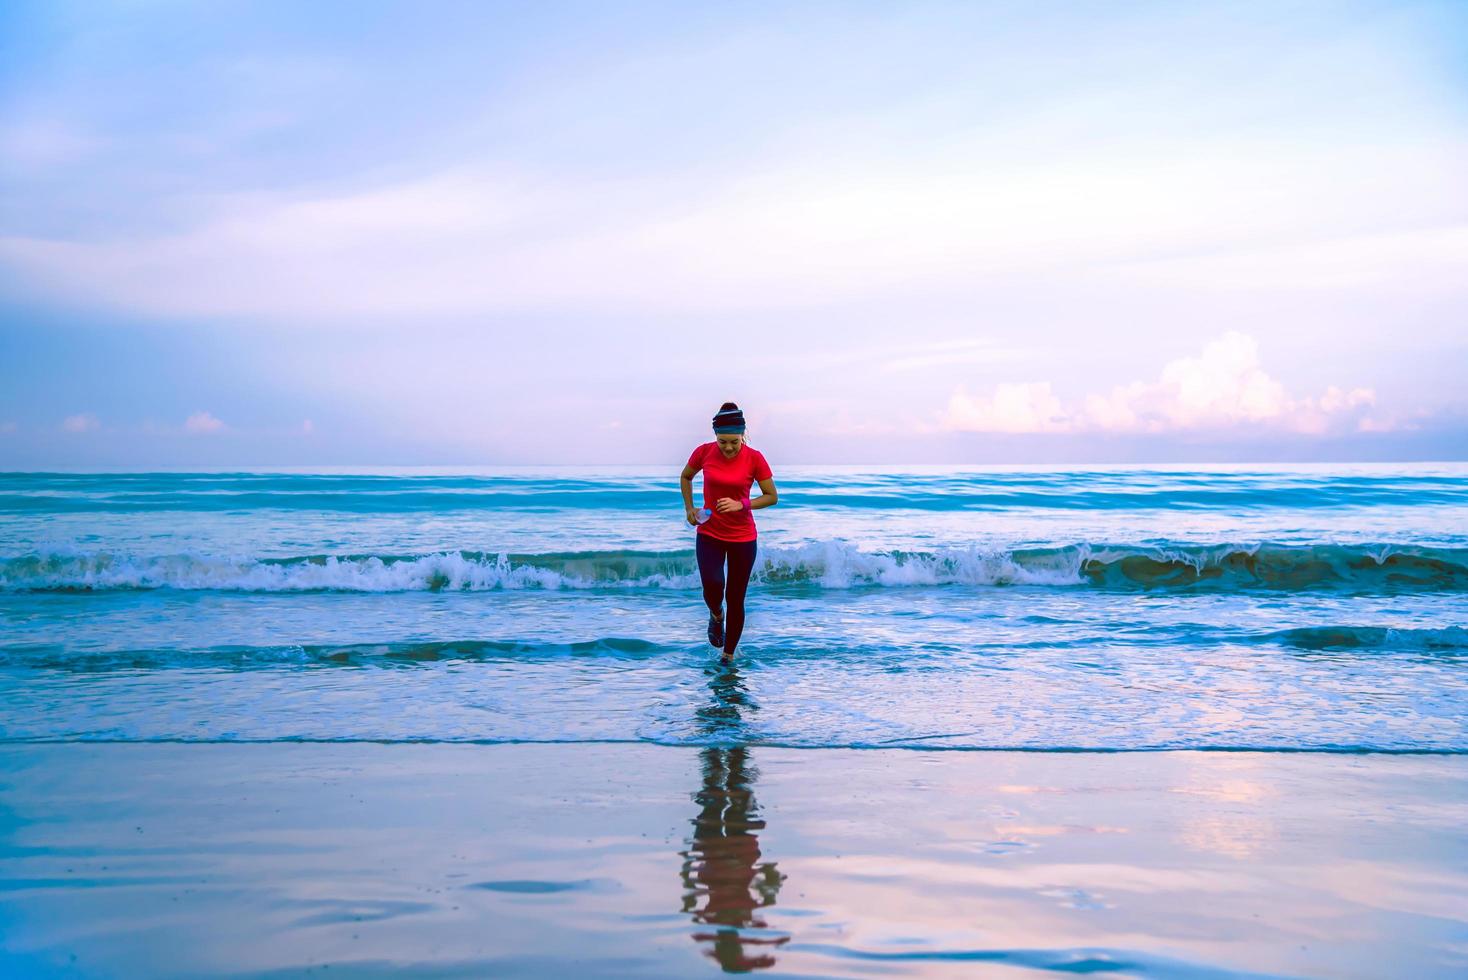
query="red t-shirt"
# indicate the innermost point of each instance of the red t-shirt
(729, 478)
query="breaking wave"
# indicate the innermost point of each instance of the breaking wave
(828, 564)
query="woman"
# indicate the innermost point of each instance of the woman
(729, 467)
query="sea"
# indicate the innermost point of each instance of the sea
(1288, 608)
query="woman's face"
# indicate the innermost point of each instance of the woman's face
(729, 443)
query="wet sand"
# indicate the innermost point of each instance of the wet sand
(284, 859)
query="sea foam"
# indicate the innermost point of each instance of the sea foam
(822, 564)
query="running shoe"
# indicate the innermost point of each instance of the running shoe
(716, 631)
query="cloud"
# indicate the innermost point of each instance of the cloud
(8, 427)
(1223, 388)
(81, 422)
(304, 183)
(307, 427)
(790, 232)
(202, 423)
(1012, 408)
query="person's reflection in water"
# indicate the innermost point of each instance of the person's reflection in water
(724, 882)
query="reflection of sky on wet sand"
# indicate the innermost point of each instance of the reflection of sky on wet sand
(1214, 858)
(561, 860)
(1236, 822)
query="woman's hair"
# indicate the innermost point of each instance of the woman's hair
(731, 407)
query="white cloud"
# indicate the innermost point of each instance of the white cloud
(1222, 388)
(8, 427)
(1013, 408)
(307, 427)
(81, 422)
(202, 423)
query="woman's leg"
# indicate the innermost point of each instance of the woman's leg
(710, 555)
(741, 564)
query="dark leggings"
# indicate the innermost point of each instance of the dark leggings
(711, 554)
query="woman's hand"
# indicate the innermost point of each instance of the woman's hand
(728, 505)
(692, 515)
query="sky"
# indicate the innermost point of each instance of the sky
(285, 234)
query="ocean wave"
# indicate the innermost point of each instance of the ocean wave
(916, 654)
(651, 490)
(1371, 638)
(825, 564)
(386, 654)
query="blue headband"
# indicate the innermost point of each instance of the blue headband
(732, 421)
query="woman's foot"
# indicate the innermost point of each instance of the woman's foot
(716, 631)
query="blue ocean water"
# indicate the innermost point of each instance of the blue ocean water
(1101, 608)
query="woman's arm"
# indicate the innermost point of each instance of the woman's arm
(685, 483)
(768, 497)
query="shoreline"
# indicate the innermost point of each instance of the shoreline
(1266, 750)
(163, 859)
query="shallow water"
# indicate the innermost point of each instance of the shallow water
(1109, 608)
